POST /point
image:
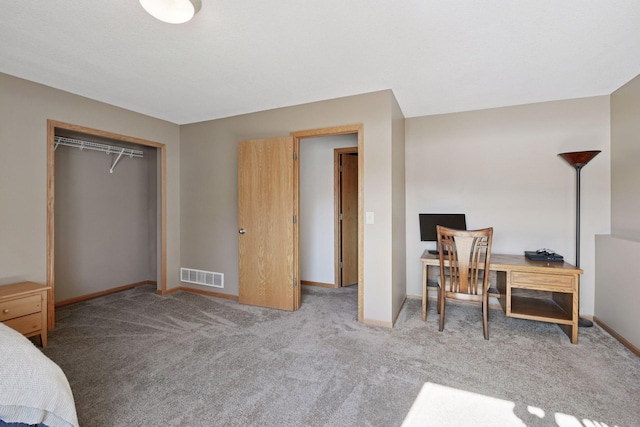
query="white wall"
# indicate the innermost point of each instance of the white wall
(625, 160)
(501, 167)
(399, 241)
(317, 227)
(617, 290)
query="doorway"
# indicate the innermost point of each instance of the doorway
(299, 138)
(320, 210)
(61, 134)
(346, 215)
(287, 155)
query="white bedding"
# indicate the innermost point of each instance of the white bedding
(33, 389)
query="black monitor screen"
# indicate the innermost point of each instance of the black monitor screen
(428, 224)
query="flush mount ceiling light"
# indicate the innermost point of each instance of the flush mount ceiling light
(171, 11)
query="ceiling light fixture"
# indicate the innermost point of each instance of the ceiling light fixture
(171, 11)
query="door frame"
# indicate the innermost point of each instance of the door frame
(52, 125)
(337, 204)
(331, 131)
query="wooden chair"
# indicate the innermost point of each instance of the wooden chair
(464, 269)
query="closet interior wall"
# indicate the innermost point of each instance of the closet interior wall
(106, 224)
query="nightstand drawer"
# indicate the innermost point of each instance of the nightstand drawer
(20, 307)
(26, 324)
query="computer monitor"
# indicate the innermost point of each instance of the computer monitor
(428, 223)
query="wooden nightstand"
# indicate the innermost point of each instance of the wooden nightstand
(23, 307)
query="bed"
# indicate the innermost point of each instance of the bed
(33, 389)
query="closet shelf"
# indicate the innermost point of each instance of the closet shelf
(109, 149)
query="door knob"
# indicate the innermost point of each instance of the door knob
(242, 231)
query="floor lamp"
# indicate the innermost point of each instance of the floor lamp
(578, 159)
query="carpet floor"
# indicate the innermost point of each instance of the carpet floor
(136, 358)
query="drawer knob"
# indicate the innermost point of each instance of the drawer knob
(5, 311)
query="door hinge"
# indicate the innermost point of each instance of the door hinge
(340, 168)
(295, 156)
(295, 282)
(341, 264)
(341, 216)
(295, 219)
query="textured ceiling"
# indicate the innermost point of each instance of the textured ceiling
(238, 57)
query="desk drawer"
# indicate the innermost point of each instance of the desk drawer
(26, 324)
(543, 282)
(20, 307)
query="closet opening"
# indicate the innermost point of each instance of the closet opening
(106, 227)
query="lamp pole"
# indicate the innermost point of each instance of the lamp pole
(578, 159)
(578, 169)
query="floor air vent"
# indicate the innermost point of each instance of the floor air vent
(199, 277)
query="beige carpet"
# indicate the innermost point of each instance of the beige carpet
(136, 358)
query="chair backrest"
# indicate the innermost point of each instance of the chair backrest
(466, 253)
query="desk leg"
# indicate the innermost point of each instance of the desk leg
(570, 304)
(501, 285)
(424, 291)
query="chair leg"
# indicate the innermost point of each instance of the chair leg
(485, 317)
(441, 306)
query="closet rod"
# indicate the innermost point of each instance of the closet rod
(109, 149)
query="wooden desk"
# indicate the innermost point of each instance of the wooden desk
(534, 290)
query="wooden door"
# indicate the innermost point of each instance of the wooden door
(266, 209)
(349, 216)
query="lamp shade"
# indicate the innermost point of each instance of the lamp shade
(171, 11)
(578, 159)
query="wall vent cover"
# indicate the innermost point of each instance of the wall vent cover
(200, 277)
